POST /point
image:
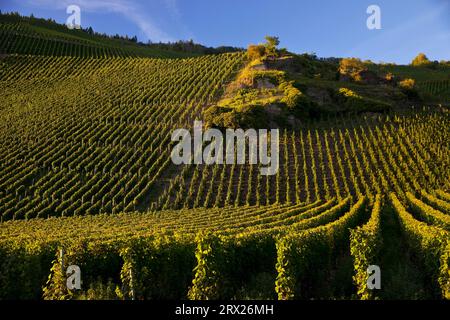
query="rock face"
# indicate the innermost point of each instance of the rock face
(259, 67)
(264, 84)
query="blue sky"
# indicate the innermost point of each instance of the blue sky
(325, 27)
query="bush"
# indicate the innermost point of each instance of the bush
(407, 84)
(243, 116)
(271, 46)
(365, 246)
(408, 87)
(157, 268)
(353, 102)
(351, 67)
(100, 264)
(207, 283)
(256, 52)
(431, 244)
(292, 95)
(230, 268)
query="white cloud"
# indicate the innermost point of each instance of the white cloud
(128, 9)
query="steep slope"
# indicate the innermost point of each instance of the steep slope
(92, 135)
(25, 35)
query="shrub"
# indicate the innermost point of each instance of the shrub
(389, 76)
(207, 282)
(302, 255)
(157, 268)
(292, 95)
(420, 60)
(353, 102)
(408, 87)
(431, 244)
(365, 246)
(271, 46)
(255, 52)
(351, 67)
(407, 84)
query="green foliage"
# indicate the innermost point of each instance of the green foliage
(271, 46)
(407, 84)
(428, 213)
(100, 264)
(29, 35)
(292, 96)
(24, 268)
(243, 116)
(430, 243)
(438, 90)
(261, 52)
(365, 245)
(56, 287)
(247, 107)
(435, 202)
(353, 102)
(308, 65)
(157, 268)
(420, 60)
(302, 257)
(256, 52)
(351, 67)
(207, 281)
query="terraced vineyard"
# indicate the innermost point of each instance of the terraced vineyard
(285, 248)
(439, 88)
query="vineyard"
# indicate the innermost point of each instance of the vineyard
(86, 179)
(289, 250)
(89, 139)
(439, 88)
(336, 157)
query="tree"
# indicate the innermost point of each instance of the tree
(420, 60)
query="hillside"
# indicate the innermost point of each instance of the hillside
(30, 35)
(94, 136)
(86, 173)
